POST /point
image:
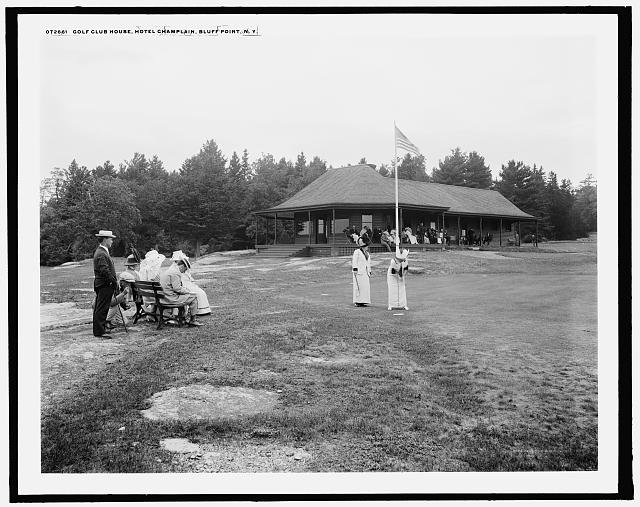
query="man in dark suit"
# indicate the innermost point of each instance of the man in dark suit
(105, 283)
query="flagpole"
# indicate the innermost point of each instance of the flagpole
(395, 171)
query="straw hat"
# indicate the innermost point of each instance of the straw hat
(178, 255)
(402, 256)
(105, 234)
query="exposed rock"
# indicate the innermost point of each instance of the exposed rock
(204, 401)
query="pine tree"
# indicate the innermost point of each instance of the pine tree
(413, 168)
(451, 170)
(476, 174)
(586, 203)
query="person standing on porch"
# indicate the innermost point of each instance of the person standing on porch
(361, 271)
(104, 284)
(396, 274)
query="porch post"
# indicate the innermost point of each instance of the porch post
(481, 231)
(536, 232)
(256, 233)
(519, 234)
(309, 212)
(333, 231)
(501, 232)
(458, 230)
(444, 241)
(401, 227)
(275, 228)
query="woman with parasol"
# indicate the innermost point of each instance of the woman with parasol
(396, 274)
(361, 271)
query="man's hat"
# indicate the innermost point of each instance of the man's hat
(131, 261)
(105, 234)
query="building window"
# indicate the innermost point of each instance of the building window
(320, 226)
(507, 227)
(341, 225)
(367, 220)
(303, 228)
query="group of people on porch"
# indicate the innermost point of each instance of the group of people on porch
(387, 237)
(114, 295)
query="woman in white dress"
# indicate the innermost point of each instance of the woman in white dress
(150, 266)
(150, 272)
(361, 271)
(189, 283)
(396, 288)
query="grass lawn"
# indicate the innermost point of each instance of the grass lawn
(493, 368)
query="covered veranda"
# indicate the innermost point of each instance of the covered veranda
(322, 231)
(318, 219)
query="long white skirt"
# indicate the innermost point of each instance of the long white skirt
(396, 291)
(361, 289)
(203, 300)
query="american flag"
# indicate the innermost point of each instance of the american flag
(403, 142)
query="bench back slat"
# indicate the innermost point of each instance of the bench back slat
(148, 289)
(153, 290)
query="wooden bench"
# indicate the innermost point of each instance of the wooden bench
(153, 290)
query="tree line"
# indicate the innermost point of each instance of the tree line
(207, 204)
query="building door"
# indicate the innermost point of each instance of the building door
(321, 230)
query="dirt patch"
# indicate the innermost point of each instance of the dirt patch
(204, 401)
(181, 445)
(263, 376)
(228, 456)
(480, 254)
(62, 314)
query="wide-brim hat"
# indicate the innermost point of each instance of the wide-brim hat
(151, 255)
(105, 234)
(131, 261)
(402, 256)
(184, 259)
(363, 241)
(178, 255)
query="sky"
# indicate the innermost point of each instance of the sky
(519, 87)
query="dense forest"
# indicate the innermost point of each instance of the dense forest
(207, 204)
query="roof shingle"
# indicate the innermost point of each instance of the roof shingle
(360, 185)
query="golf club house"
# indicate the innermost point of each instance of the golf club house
(318, 219)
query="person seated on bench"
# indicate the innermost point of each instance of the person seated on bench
(410, 238)
(189, 283)
(175, 292)
(132, 266)
(150, 272)
(150, 266)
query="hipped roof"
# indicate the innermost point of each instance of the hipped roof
(360, 186)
